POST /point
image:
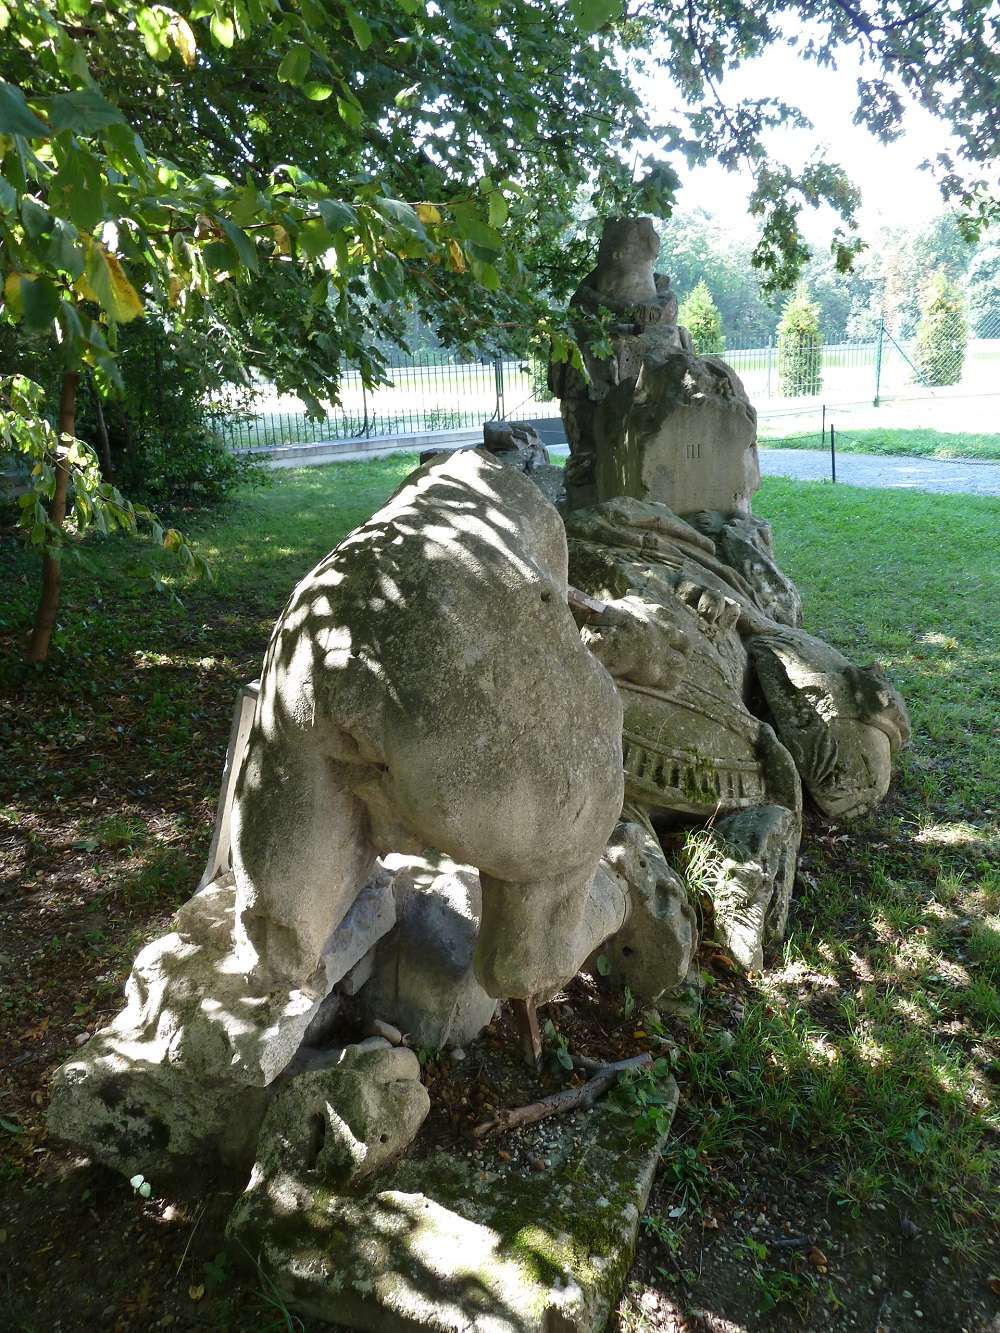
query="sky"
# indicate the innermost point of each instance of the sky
(894, 190)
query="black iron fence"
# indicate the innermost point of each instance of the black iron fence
(432, 391)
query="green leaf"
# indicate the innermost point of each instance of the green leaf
(247, 206)
(154, 25)
(8, 196)
(350, 114)
(337, 216)
(486, 274)
(218, 257)
(360, 29)
(83, 112)
(37, 220)
(64, 250)
(9, 1126)
(589, 15)
(295, 64)
(79, 181)
(498, 209)
(603, 964)
(244, 246)
(474, 229)
(39, 302)
(16, 117)
(400, 215)
(317, 92)
(313, 238)
(223, 30)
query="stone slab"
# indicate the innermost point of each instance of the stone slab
(218, 851)
(451, 1242)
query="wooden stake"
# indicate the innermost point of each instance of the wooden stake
(527, 1030)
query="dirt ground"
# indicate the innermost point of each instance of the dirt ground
(83, 1250)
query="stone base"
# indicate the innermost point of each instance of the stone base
(465, 1243)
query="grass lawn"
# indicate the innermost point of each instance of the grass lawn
(914, 443)
(849, 1092)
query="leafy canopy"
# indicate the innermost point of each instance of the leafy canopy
(295, 172)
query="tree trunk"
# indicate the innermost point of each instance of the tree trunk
(48, 603)
(107, 470)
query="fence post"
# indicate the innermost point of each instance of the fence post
(770, 358)
(498, 382)
(878, 358)
(364, 404)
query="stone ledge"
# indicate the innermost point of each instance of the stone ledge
(442, 1243)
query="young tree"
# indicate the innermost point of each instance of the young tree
(700, 316)
(800, 349)
(939, 351)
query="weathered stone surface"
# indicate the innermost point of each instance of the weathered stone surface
(654, 949)
(424, 980)
(570, 935)
(343, 1118)
(653, 420)
(842, 723)
(690, 743)
(170, 1082)
(691, 441)
(432, 1244)
(745, 543)
(515, 444)
(371, 916)
(751, 880)
(423, 689)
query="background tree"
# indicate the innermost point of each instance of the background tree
(800, 347)
(939, 350)
(983, 290)
(700, 316)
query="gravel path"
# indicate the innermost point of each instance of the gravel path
(922, 474)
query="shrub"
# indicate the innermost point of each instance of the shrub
(939, 351)
(800, 349)
(700, 316)
(165, 447)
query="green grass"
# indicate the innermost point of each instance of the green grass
(913, 443)
(870, 1051)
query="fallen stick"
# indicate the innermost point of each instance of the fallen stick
(601, 1066)
(570, 1099)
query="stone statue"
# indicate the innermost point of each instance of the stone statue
(691, 613)
(489, 744)
(423, 689)
(655, 420)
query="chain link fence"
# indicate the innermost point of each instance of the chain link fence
(432, 391)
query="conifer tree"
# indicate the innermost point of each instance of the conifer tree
(700, 316)
(942, 333)
(800, 349)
